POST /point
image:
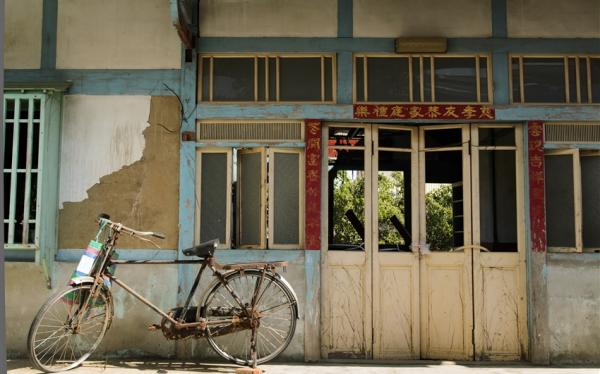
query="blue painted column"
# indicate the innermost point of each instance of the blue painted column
(187, 185)
(49, 27)
(500, 58)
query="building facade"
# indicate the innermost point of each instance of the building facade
(430, 170)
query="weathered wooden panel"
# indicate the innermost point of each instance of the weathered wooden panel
(347, 335)
(396, 330)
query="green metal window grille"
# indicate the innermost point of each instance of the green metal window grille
(23, 132)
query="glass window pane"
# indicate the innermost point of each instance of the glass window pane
(455, 80)
(360, 79)
(250, 200)
(590, 186)
(286, 197)
(205, 79)
(233, 79)
(347, 136)
(394, 205)
(261, 78)
(272, 79)
(389, 138)
(516, 82)
(496, 136)
(346, 199)
(444, 219)
(416, 74)
(544, 80)
(560, 209)
(483, 79)
(300, 79)
(426, 79)
(213, 199)
(387, 79)
(583, 83)
(498, 200)
(595, 79)
(572, 81)
(443, 138)
(328, 73)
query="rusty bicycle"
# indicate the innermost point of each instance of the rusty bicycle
(248, 313)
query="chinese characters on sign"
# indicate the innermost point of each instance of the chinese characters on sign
(423, 112)
(313, 185)
(535, 136)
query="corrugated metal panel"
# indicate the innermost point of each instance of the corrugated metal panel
(250, 131)
(572, 132)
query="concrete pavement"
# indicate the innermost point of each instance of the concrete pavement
(417, 367)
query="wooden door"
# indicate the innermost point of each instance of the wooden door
(346, 256)
(445, 265)
(395, 230)
(500, 312)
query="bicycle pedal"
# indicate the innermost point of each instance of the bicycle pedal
(153, 327)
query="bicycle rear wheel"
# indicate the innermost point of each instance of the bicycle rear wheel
(66, 331)
(277, 313)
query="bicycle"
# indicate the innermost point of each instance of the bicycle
(248, 313)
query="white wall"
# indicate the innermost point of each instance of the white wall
(116, 34)
(553, 18)
(100, 135)
(22, 34)
(450, 18)
(268, 18)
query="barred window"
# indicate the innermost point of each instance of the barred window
(23, 149)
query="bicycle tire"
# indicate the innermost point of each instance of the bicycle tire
(275, 330)
(54, 331)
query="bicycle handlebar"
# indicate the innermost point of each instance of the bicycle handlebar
(119, 227)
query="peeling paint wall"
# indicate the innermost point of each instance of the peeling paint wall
(394, 18)
(268, 18)
(22, 34)
(574, 308)
(142, 193)
(553, 18)
(116, 34)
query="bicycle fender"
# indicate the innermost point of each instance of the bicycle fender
(289, 286)
(81, 280)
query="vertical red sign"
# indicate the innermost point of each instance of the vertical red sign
(537, 214)
(312, 199)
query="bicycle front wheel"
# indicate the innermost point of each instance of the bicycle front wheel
(68, 328)
(228, 330)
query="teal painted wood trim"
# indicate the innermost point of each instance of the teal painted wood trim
(578, 258)
(19, 255)
(344, 112)
(50, 181)
(455, 45)
(592, 146)
(528, 253)
(249, 145)
(103, 82)
(312, 307)
(501, 78)
(499, 26)
(49, 28)
(345, 18)
(345, 77)
(74, 255)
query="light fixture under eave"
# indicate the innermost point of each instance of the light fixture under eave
(421, 45)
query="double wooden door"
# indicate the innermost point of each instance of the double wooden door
(424, 251)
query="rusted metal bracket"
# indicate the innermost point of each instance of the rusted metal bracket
(188, 136)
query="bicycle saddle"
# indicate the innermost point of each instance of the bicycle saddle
(206, 249)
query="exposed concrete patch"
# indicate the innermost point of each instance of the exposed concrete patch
(143, 195)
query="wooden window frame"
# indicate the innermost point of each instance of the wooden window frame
(266, 56)
(432, 57)
(566, 58)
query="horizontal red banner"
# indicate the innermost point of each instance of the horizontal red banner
(419, 111)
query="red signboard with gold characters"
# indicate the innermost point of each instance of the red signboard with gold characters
(424, 112)
(312, 197)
